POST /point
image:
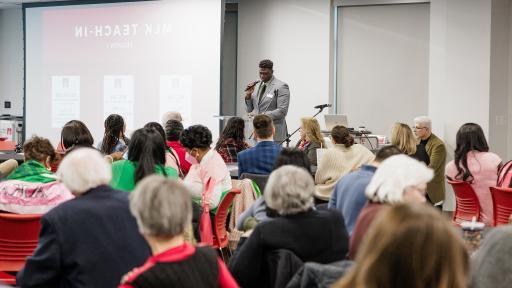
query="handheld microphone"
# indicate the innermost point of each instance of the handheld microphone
(252, 84)
(322, 106)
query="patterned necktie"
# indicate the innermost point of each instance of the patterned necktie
(262, 91)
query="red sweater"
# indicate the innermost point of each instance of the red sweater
(176, 146)
(363, 222)
(177, 254)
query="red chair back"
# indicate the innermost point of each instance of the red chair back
(219, 226)
(501, 204)
(19, 235)
(466, 201)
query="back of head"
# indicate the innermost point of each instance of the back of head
(196, 136)
(341, 135)
(39, 149)
(312, 130)
(263, 126)
(171, 115)
(157, 127)
(491, 263)
(394, 175)
(84, 169)
(289, 190)
(470, 137)
(114, 127)
(386, 152)
(234, 130)
(76, 134)
(410, 245)
(292, 156)
(161, 206)
(403, 138)
(173, 129)
(147, 149)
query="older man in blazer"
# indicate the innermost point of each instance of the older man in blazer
(269, 96)
(432, 151)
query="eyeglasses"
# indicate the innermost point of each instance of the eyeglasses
(418, 128)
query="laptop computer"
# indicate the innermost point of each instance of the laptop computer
(332, 120)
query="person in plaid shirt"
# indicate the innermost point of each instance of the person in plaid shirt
(232, 140)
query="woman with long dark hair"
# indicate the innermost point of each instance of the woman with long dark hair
(114, 139)
(232, 140)
(146, 156)
(474, 163)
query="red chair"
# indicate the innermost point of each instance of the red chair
(466, 201)
(220, 234)
(501, 204)
(19, 235)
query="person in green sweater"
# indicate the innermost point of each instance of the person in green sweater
(146, 156)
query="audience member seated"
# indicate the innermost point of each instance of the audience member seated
(491, 263)
(146, 155)
(232, 140)
(344, 157)
(310, 138)
(32, 188)
(431, 151)
(171, 160)
(171, 115)
(474, 163)
(73, 134)
(312, 235)
(260, 158)
(114, 139)
(410, 245)
(208, 164)
(173, 129)
(163, 211)
(403, 138)
(348, 195)
(259, 209)
(398, 179)
(89, 241)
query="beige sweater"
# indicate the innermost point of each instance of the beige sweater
(335, 163)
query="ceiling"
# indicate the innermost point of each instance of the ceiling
(17, 3)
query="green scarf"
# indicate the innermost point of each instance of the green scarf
(32, 171)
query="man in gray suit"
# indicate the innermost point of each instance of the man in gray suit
(269, 96)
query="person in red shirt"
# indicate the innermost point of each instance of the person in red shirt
(173, 129)
(163, 210)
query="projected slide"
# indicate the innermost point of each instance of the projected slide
(136, 59)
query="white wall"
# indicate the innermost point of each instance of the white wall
(460, 53)
(11, 60)
(392, 78)
(294, 34)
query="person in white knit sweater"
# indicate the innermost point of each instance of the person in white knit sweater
(344, 157)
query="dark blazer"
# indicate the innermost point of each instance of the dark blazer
(310, 151)
(317, 235)
(90, 241)
(258, 159)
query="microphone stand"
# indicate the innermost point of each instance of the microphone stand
(287, 139)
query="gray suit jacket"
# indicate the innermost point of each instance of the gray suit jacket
(274, 103)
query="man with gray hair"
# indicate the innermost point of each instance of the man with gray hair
(431, 151)
(89, 241)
